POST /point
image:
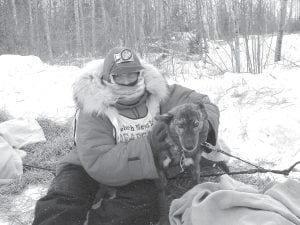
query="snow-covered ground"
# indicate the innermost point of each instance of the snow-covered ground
(31, 88)
(260, 114)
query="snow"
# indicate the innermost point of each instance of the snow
(260, 113)
(30, 88)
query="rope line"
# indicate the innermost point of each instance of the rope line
(209, 148)
(26, 166)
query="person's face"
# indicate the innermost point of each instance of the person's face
(129, 79)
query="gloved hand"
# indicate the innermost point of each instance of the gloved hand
(157, 138)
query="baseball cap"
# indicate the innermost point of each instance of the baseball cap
(120, 60)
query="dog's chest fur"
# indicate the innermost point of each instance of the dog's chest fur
(176, 152)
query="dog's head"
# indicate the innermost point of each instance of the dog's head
(184, 124)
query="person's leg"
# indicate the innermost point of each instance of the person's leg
(134, 204)
(68, 200)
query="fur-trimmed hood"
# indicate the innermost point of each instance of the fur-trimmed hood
(92, 96)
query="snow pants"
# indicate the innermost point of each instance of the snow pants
(72, 193)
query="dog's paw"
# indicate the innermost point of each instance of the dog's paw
(166, 162)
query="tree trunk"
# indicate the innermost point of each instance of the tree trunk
(47, 29)
(15, 26)
(246, 25)
(140, 36)
(290, 17)
(93, 27)
(134, 25)
(283, 6)
(66, 35)
(202, 33)
(36, 28)
(82, 36)
(122, 23)
(77, 27)
(214, 18)
(129, 25)
(200, 30)
(163, 23)
(31, 32)
(104, 25)
(236, 36)
(259, 48)
(204, 29)
(14, 12)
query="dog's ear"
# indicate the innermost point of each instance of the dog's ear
(166, 118)
(202, 109)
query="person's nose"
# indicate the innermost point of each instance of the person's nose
(126, 81)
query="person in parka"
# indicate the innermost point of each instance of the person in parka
(117, 98)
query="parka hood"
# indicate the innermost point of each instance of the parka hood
(92, 96)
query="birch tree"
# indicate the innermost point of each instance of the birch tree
(283, 6)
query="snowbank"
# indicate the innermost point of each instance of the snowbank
(30, 88)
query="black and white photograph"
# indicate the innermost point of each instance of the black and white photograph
(149, 112)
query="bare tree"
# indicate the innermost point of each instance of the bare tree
(235, 14)
(245, 23)
(201, 35)
(47, 29)
(77, 26)
(15, 25)
(139, 29)
(135, 23)
(283, 6)
(14, 12)
(31, 32)
(82, 25)
(93, 26)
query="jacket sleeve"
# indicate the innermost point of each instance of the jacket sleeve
(180, 95)
(107, 162)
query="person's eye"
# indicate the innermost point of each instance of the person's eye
(117, 78)
(133, 75)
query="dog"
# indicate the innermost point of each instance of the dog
(184, 124)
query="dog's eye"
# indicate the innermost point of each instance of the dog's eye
(196, 123)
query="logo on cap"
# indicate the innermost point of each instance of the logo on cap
(124, 56)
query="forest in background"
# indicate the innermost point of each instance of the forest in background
(57, 30)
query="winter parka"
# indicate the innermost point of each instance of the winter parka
(105, 160)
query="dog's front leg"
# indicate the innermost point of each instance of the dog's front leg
(161, 184)
(196, 169)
